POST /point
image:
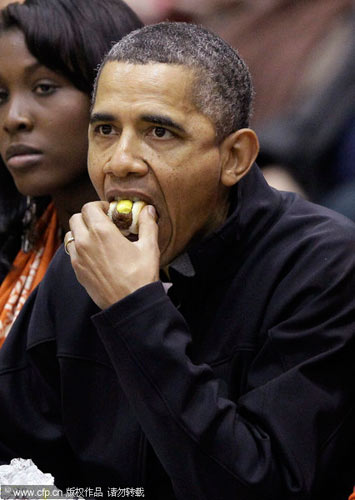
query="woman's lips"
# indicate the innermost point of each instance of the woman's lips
(22, 155)
(24, 160)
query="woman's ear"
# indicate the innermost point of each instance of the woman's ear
(238, 152)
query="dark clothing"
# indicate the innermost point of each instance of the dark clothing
(12, 207)
(239, 384)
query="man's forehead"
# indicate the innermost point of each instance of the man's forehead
(166, 84)
(122, 65)
(153, 73)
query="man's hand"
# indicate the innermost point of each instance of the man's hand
(109, 266)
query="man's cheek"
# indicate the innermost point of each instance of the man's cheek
(95, 170)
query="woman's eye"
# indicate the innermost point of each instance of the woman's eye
(45, 88)
(104, 129)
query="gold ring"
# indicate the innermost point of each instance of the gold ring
(69, 240)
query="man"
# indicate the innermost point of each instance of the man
(233, 379)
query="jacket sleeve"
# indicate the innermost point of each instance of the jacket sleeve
(274, 441)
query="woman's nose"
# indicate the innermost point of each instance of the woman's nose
(17, 117)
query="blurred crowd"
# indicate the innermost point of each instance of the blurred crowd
(301, 57)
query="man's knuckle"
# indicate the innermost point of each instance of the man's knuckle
(73, 218)
(81, 246)
(99, 231)
(85, 207)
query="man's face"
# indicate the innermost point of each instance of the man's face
(147, 140)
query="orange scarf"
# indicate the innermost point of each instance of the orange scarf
(28, 270)
(352, 496)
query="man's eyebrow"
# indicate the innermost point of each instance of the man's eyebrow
(162, 120)
(101, 117)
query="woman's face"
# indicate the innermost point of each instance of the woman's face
(43, 122)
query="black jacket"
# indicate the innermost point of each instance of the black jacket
(239, 384)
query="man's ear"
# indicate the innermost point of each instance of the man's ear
(238, 152)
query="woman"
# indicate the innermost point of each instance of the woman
(49, 52)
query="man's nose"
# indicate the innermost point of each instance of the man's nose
(18, 117)
(126, 158)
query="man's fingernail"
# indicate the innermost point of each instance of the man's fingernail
(152, 212)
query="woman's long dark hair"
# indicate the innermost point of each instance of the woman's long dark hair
(70, 37)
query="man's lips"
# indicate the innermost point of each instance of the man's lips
(21, 155)
(134, 195)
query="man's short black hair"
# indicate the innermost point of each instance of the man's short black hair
(222, 89)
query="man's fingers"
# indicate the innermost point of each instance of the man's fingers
(77, 225)
(95, 212)
(148, 228)
(92, 221)
(68, 239)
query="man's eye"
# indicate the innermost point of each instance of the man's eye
(162, 133)
(104, 129)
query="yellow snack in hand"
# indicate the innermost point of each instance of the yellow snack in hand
(124, 206)
(125, 213)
